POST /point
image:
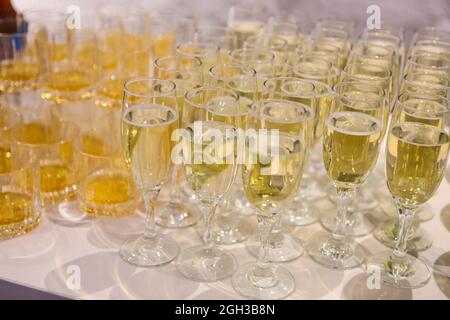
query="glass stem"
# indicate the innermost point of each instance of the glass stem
(150, 204)
(175, 190)
(344, 200)
(405, 223)
(209, 213)
(265, 225)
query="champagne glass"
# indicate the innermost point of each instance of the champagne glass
(146, 130)
(211, 115)
(359, 96)
(231, 227)
(336, 36)
(318, 96)
(272, 171)
(276, 44)
(186, 73)
(416, 157)
(287, 30)
(208, 53)
(350, 148)
(223, 37)
(426, 110)
(245, 21)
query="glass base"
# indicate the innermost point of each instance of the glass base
(147, 252)
(413, 273)
(207, 265)
(330, 253)
(419, 240)
(361, 225)
(298, 214)
(175, 215)
(230, 229)
(251, 281)
(283, 247)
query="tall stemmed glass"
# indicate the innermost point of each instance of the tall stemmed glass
(429, 110)
(147, 127)
(211, 118)
(186, 73)
(272, 170)
(231, 227)
(351, 144)
(416, 157)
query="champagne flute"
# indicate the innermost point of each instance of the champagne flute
(146, 130)
(272, 171)
(186, 73)
(245, 21)
(416, 157)
(420, 109)
(350, 148)
(212, 116)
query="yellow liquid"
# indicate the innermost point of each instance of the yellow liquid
(351, 143)
(93, 145)
(227, 110)
(207, 170)
(56, 178)
(15, 207)
(5, 160)
(68, 85)
(147, 144)
(109, 93)
(164, 45)
(244, 29)
(269, 178)
(18, 76)
(107, 189)
(415, 161)
(36, 133)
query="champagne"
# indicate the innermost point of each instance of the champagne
(269, 177)
(224, 109)
(5, 160)
(350, 147)
(93, 145)
(109, 93)
(422, 111)
(415, 161)
(164, 45)
(244, 29)
(208, 169)
(70, 84)
(15, 207)
(146, 142)
(107, 187)
(16, 76)
(56, 177)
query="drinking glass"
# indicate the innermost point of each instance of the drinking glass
(276, 44)
(186, 73)
(223, 37)
(350, 148)
(423, 109)
(337, 37)
(245, 21)
(211, 116)
(147, 128)
(272, 170)
(105, 186)
(416, 156)
(207, 52)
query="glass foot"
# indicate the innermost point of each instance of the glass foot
(283, 247)
(418, 239)
(174, 215)
(412, 273)
(300, 214)
(273, 282)
(147, 252)
(330, 253)
(361, 225)
(206, 265)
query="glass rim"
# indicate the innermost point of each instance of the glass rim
(236, 55)
(380, 96)
(189, 94)
(322, 32)
(128, 91)
(421, 96)
(298, 105)
(388, 73)
(150, 106)
(419, 124)
(73, 136)
(357, 114)
(433, 85)
(250, 72)
(280, 42)
(156, 62)
(283, 23)
(402, 104)
(205, 46)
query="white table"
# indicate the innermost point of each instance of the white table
(52, 255)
